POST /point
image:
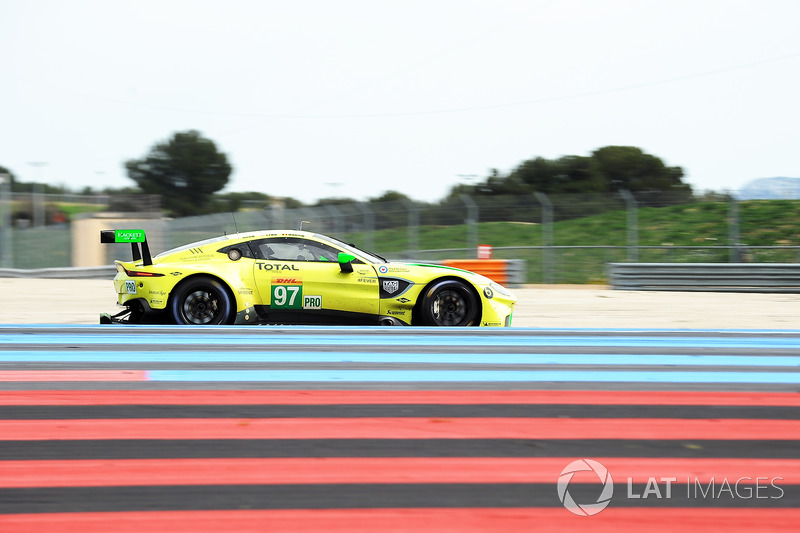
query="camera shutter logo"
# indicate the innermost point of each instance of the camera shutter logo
(603, 475)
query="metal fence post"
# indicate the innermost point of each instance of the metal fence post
(733, 231)
(6, 247)
(547, 237)
(276, 215)
(413, 227)
(369, 225)
(633, 225)
(471, 222)
(39, 209)
(337, 217)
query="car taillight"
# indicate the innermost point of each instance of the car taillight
(139, 274)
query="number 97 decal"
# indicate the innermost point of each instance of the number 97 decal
(286, 297)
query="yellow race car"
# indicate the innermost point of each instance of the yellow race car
(295, 277)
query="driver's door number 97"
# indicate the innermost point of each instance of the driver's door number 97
(291, 297)
(286, 297)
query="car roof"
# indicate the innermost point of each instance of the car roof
(238, 237)
(262, 234)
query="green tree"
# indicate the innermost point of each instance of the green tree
(185, 170)
(235, 201)
(25, 187)
(390, 209)
(570, 174)
(390, 196)
(628, 167)
(607, 170)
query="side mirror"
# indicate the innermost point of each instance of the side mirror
(345, 262)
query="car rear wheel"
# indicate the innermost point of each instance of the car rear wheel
(449, 303)
(201, 301)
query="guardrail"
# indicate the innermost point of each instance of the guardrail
(708, 277)
(101, 272)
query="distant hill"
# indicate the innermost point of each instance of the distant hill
(771, 189)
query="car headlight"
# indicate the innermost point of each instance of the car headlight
(500, 289)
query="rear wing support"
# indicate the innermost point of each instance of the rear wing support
(133, 236)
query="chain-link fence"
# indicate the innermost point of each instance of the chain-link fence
(562, 238)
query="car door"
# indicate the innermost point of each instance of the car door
(300, 281)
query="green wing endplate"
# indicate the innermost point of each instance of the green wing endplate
(130, 236)
(109, 236)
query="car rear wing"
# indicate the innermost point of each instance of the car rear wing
(132, 236)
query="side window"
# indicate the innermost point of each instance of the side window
(265, 250)
(275, 249)
(293, 249)
(315, 251)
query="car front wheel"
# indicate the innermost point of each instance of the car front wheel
(449, 303)
(201, 301)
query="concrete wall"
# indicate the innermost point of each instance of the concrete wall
(87, 251)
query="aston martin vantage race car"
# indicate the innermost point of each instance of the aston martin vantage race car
(295, 277)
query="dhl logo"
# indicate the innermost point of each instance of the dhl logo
(287, 281)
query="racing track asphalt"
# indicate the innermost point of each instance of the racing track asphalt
(347, 429)
(69, 301)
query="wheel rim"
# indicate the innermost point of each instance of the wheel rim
(449, 308)
(201, 307)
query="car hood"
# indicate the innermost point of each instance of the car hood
(434, 270)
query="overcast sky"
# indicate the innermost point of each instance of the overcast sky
(321, 98)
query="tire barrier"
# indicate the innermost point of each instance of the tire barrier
(503, 271)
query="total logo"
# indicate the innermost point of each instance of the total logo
(603, 476)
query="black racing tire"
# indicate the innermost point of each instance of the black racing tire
(449, 303)
(201, 301)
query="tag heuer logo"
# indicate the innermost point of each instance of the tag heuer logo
(391, 286)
